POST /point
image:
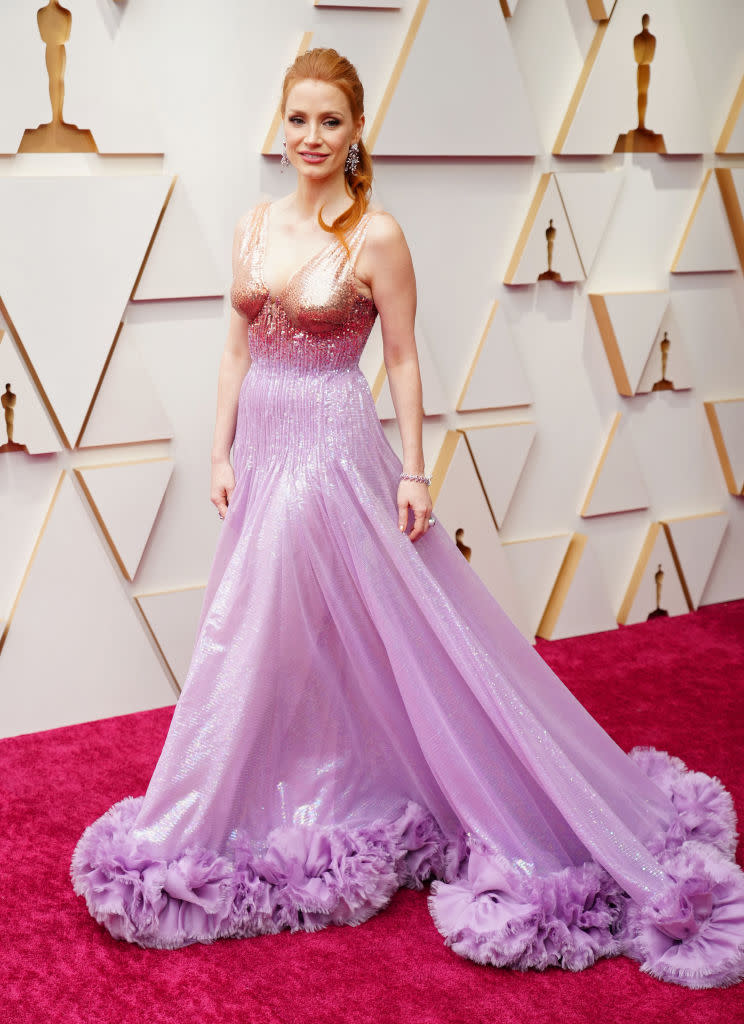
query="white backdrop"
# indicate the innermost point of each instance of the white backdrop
(115, 267)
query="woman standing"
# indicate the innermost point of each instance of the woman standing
(359, 712)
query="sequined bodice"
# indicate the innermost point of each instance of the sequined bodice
(318, 320)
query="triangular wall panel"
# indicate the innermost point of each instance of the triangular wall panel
(673, 373)
(496, 378)
(605, 106)
(497, 121)
(106, 86)
(173, 618)
(462, 510)
(127, 408)
(628, 325)
(589, 200)
(707, 244)
(500, 453)
(617, 484)
(180, 264)
(535, 564)
(578, 602)
(27, 489)
(31, 424)
(96, 673)
(94, 230)
(726, 421)
(529, 262)
(126, 497)
(694, 542)
(654, 583)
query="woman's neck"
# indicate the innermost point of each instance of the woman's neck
(310, 196)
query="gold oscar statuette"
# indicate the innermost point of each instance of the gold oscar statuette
(642, 139)
(8, 400)
(56, 136)
(550, 274)
(663, 384)
(461, 545)
(658, 611)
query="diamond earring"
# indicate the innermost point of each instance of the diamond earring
(285, 158)
(352, 159)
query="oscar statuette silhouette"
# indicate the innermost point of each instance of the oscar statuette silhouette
(642, 139)
(56, 136)
(8, 401)
(550, 274)
(663, 384)
(658, 611)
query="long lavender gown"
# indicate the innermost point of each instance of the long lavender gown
(360, 714)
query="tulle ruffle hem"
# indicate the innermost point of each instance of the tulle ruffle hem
(301, 878)
(307, 877)
(691, 934)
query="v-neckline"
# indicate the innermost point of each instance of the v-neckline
(306, 263)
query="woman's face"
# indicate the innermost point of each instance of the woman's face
(319, 128)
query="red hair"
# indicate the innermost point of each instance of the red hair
(324, 64)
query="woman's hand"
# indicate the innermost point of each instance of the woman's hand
(222, 485)
(415, 494)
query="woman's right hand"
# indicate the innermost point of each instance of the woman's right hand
(222, 485)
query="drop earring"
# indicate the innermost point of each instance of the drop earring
(285, 158)
(352, 158)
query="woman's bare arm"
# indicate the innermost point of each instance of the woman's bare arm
(234, 365)
(385, 266)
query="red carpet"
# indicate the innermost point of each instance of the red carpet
(676, 684)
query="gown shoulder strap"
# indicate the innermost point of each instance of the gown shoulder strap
(250, 226)
(357, 236)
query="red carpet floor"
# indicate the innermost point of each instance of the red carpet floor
(676, 684)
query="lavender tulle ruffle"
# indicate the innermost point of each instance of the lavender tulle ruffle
(301, 878)
(305, 878)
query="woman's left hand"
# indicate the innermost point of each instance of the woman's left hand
(415, 494)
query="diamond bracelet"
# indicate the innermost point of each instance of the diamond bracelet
(418, 477)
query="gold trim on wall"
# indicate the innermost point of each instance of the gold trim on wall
(733, 117)
(600, 464)
(678, 564)
(524, 234)
(151, 631)
(733, 208)
(110, 352)
(601, 10)
(721, 450)
(691, 220)
(400, 63)
(21, 349)
(578, 92)
(441, 466)
(34, 552)
(638, 571)
(268, 145)
(80, 470)
(562, 585)
(611, 347)
(476, 357)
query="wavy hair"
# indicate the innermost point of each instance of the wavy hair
(325, 64)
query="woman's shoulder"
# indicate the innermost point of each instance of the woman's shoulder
(247, 222)
(249, 215)
(383, 230)
(382, 225)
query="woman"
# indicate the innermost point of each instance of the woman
(359, 713)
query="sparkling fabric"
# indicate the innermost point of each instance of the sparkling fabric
(359, 713)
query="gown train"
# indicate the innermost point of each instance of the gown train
(360, 714)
